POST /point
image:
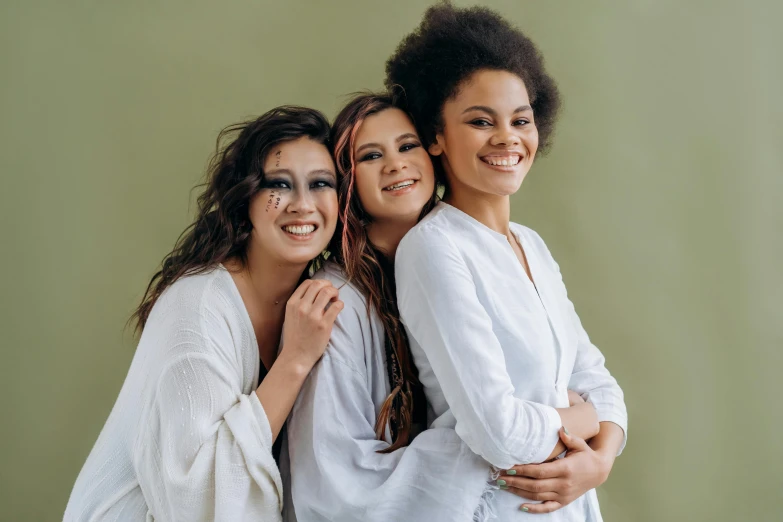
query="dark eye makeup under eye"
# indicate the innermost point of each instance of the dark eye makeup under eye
(324, 183)
(370, 156)
(276, 184)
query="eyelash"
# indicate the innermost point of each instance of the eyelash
(322, 184)
(318, 184)
(478, 122)
(376, 155)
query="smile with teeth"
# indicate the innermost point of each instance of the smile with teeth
(400, 185)
(300, 230)
(502, 161)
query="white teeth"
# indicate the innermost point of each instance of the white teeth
(400, 185)
(299, 230)
(504, 162)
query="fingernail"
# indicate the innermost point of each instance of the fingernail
(503, 487)
(566, 431)
(524, 508)
(511, 472)
(501, 482)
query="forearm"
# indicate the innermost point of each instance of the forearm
(580, 420)
(279, 389)
(608, 440)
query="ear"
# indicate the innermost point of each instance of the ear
(436, 149)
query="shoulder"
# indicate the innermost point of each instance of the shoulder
(198, 313)
(532, 238)
(350, 294)
(431, 237)
(189, 296)
(357, 332)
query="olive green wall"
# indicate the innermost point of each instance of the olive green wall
(661, 200)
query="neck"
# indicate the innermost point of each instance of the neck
(490, 210)
(386, 235)
(271, 280)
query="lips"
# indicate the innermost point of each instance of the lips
(300, 229)
(502, 160)
(400, 185)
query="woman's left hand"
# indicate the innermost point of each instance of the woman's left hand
(559, 482)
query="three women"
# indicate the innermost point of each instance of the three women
(468, 311)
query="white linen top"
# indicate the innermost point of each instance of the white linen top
(496, 354)
(187, 438)
(336, 472)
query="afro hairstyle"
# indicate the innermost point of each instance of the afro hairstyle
(449, 46)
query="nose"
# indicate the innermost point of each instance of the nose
(505, 136)
(394, 164)
(301, 203)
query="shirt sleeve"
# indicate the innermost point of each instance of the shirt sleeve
(590, 377)
(204, 452)
(336, 470)
(439, 305)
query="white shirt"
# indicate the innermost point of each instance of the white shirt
(336, 472)
(188, 439)
(496, 354)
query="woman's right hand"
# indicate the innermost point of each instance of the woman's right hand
(309, 316)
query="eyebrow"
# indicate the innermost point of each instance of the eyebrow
(491, 111)
(311, 173)
(401, 137)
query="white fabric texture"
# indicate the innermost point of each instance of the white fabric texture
(336, 472)
(496, 354)
(187, 439)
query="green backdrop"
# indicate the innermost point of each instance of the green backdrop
(661, 200)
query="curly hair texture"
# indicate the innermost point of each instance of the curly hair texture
(451, 44)
(373, 273)
(235, 175)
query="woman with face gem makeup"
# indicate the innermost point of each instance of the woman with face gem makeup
(494, 337)
(193, 433)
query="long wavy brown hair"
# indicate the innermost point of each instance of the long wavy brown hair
(372, 271)
(235, 175)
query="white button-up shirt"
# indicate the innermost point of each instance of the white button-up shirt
(496, 354)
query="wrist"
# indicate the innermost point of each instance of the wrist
(294, 367)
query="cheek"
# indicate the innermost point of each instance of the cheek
(327, 203)
(531, 139)
(366, 183)
(426, 169)
(266, 206)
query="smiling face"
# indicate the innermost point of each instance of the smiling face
(489, 138)
(295, 213)
(394, 174)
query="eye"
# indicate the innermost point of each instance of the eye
(521, 122)
(370, 156)
(322, 184)
(277, 184)
(409, 146)
(480, 122)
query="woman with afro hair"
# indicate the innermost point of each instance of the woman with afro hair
(495, 339)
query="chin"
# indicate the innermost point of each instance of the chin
(503, 189)
(299, 258)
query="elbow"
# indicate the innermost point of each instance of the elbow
(503, 452)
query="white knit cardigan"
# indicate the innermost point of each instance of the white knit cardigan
(188, 438)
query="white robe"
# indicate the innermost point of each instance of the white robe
(188, 439)
(495, 354)
(336, 472)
